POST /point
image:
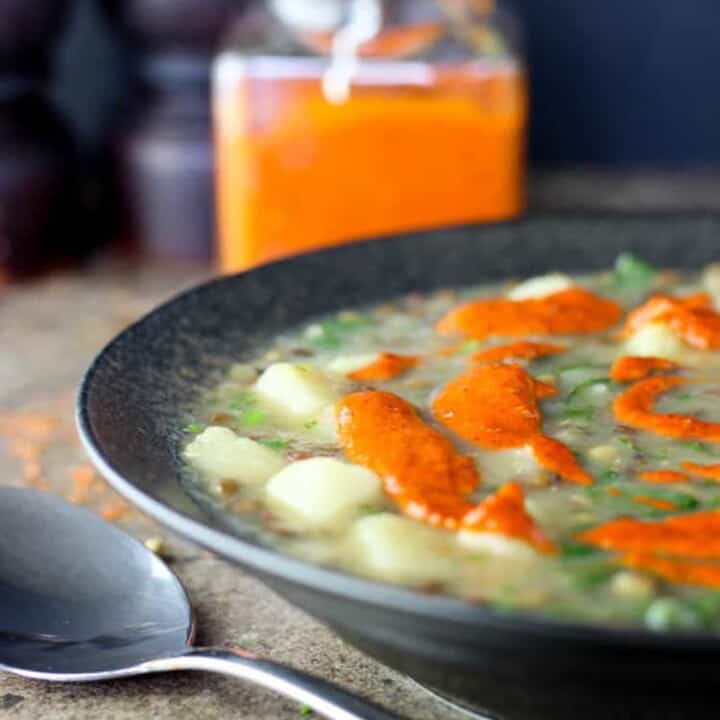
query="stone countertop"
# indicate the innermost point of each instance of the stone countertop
(49, 331)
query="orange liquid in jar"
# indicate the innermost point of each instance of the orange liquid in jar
(415, 146)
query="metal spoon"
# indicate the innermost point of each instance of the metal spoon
(80, 600)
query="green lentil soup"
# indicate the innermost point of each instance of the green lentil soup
(628, 531)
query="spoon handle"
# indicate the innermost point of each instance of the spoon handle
(325, 698)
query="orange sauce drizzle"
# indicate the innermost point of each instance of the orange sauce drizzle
(676, 570)
(681, 549)
(574, 311)
(663, 476)
(419, 467)
(634, 407)
(495, 407)
(386, 367)
(656, 503)
(694, 536)
(423, 473)
(504, 513)
(521, 349)
(692, 318)
(630, 367)
(544, 390)
(711, 472)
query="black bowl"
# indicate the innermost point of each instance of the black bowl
(137, 391)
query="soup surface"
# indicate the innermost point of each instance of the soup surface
(550, 445)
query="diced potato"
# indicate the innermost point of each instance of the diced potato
(221, 454)
(540, 286)
(398, 549)
(299, 391)
(501, 466)
(711, 282)
(628, 584)
(344, 364)
(324, 426)
(603, 453)
(495, 544)
(655, 340)
(323, 492)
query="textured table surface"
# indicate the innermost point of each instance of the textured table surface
(49, 331)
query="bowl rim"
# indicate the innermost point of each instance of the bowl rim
(329, 581)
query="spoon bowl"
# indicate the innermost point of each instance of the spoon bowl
(80, 600)
(80, 597)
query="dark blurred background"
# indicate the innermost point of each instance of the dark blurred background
(614, 83)
(105, 126)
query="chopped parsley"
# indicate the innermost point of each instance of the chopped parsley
(578, 413)
(275, 444)
(697, 447)
(579, 389)
(310, 424)
(631, 271)
(330, 334)
(194, 428)
(571, 549)
(305, 710)
(627, 441)
(370, 509)
(608, 476)
(243, 401)
(253, 417)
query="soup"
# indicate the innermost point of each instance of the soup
(550, 445)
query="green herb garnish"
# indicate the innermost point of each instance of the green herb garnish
(194, 428)
(243, 401)
(608, 476)
(370, 509)
(631, 270)
(671, 613)
(571, 549)
(275, 444)
(253, 417)
(707, 606)
(577, 413)
(333, 332)
(591, 575)
(579, 389)
(697, 447)
(662, 453)
(310, 424)
(305, 710)
(627, 441)
(682, 501)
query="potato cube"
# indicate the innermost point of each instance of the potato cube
(220, 454)
(540, 286)
(656, 340)
(300, 391)
(501, 466)
(322, 492)
(398, 549)
(495, 544)
(323, 426)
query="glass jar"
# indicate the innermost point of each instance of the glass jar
(338, 120)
